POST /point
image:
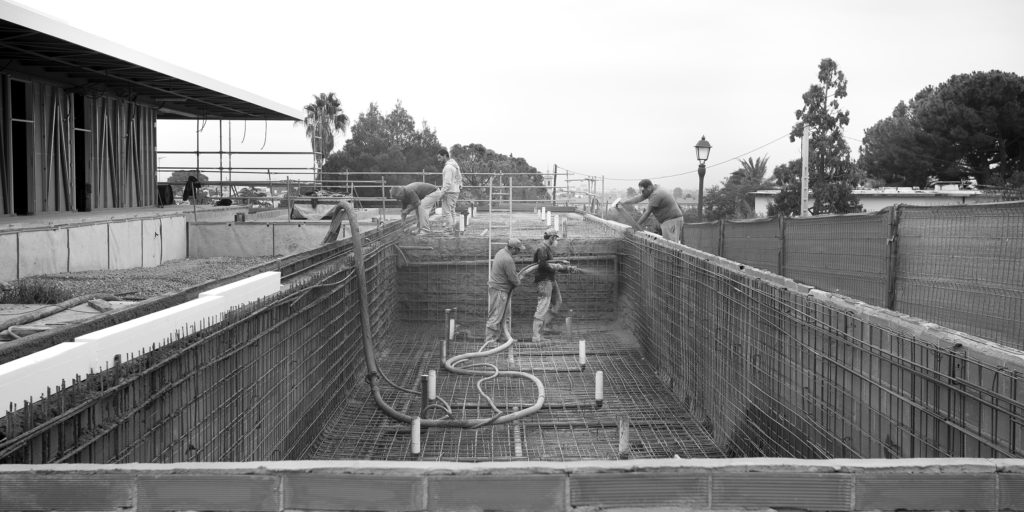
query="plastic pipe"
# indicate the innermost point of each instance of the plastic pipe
(599, 388)
(583, 353)
(432, 385)
(415, 435)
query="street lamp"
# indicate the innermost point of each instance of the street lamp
(703, 148)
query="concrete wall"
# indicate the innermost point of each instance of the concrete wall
(98, 245)
(734, 484)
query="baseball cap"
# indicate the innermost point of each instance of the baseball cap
(516, 243)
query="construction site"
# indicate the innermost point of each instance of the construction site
(678, 378)
(868, 361)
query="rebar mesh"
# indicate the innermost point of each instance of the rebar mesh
(569, 427)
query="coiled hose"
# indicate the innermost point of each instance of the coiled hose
(373, 374)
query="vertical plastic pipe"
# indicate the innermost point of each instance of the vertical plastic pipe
(432, 385)
(555, 222)
(599, 388)
(583, 353)
(568, 325)
(449, 324)
(424, 393)
(623, 420)
(415, 430)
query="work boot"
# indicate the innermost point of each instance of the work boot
(538, 327)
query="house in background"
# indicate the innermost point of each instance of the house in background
(873, 200)
(78, 116)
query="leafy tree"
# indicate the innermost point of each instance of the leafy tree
(324, 118)
(787, 178)
(677, 193)
(388, 147)
(831, 173)
(732, 200)
(972, 124)
(483, 168)
(631, 192)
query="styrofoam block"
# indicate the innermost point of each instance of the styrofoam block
(247, 290)
(129, 338)
(28, 377)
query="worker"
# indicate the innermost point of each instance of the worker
(549, 298)
(418, 196)
(451, 186)
(664, 207)
(502, 280)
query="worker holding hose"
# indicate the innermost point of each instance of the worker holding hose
(549, 298)
(502, 280)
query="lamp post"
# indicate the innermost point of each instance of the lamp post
(703, 148)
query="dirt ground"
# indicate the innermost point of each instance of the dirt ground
(145, 282)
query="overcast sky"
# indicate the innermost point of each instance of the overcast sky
(615, 89)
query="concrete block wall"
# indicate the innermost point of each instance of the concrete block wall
(98, 245)
(790, 484)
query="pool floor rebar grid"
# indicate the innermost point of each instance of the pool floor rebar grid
(568, 427)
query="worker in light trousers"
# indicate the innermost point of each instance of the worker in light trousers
(502, 280)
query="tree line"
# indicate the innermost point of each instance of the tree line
(968, 127)
(389, 149)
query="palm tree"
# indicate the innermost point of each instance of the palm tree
(324, 118)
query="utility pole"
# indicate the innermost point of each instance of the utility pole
(554, 186)
(805, 150)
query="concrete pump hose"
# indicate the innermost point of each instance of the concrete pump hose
(371, 359)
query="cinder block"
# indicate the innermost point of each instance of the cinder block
(42, 252)
(28, 377)
(296, 237)
(175, 239)
(802, 491)
(926, 491)
(640, 490)
(91, 250)
(152, 242)
(1011, 491)
(240, 239)
(129, 338)
(125, 242)
(246, 290)
(8, 256)
(498, 492)
(353, 492)
(209, 492)
(66, 492)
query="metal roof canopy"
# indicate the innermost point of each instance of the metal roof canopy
(37, 44)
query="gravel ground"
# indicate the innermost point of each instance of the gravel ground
(146, 282)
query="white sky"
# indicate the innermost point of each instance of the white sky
(616, 89)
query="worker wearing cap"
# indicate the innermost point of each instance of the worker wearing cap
(664, 207)
(502, 280)
(549, 298)
(417, 196)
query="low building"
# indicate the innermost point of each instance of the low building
(873, 200)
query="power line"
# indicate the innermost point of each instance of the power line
(737, 157)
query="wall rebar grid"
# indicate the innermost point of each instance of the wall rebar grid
(785, 370)
(771, 368)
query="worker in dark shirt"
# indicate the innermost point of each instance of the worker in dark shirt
(417, 196)
(502, 280)
(664, 207)
(549, 298)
